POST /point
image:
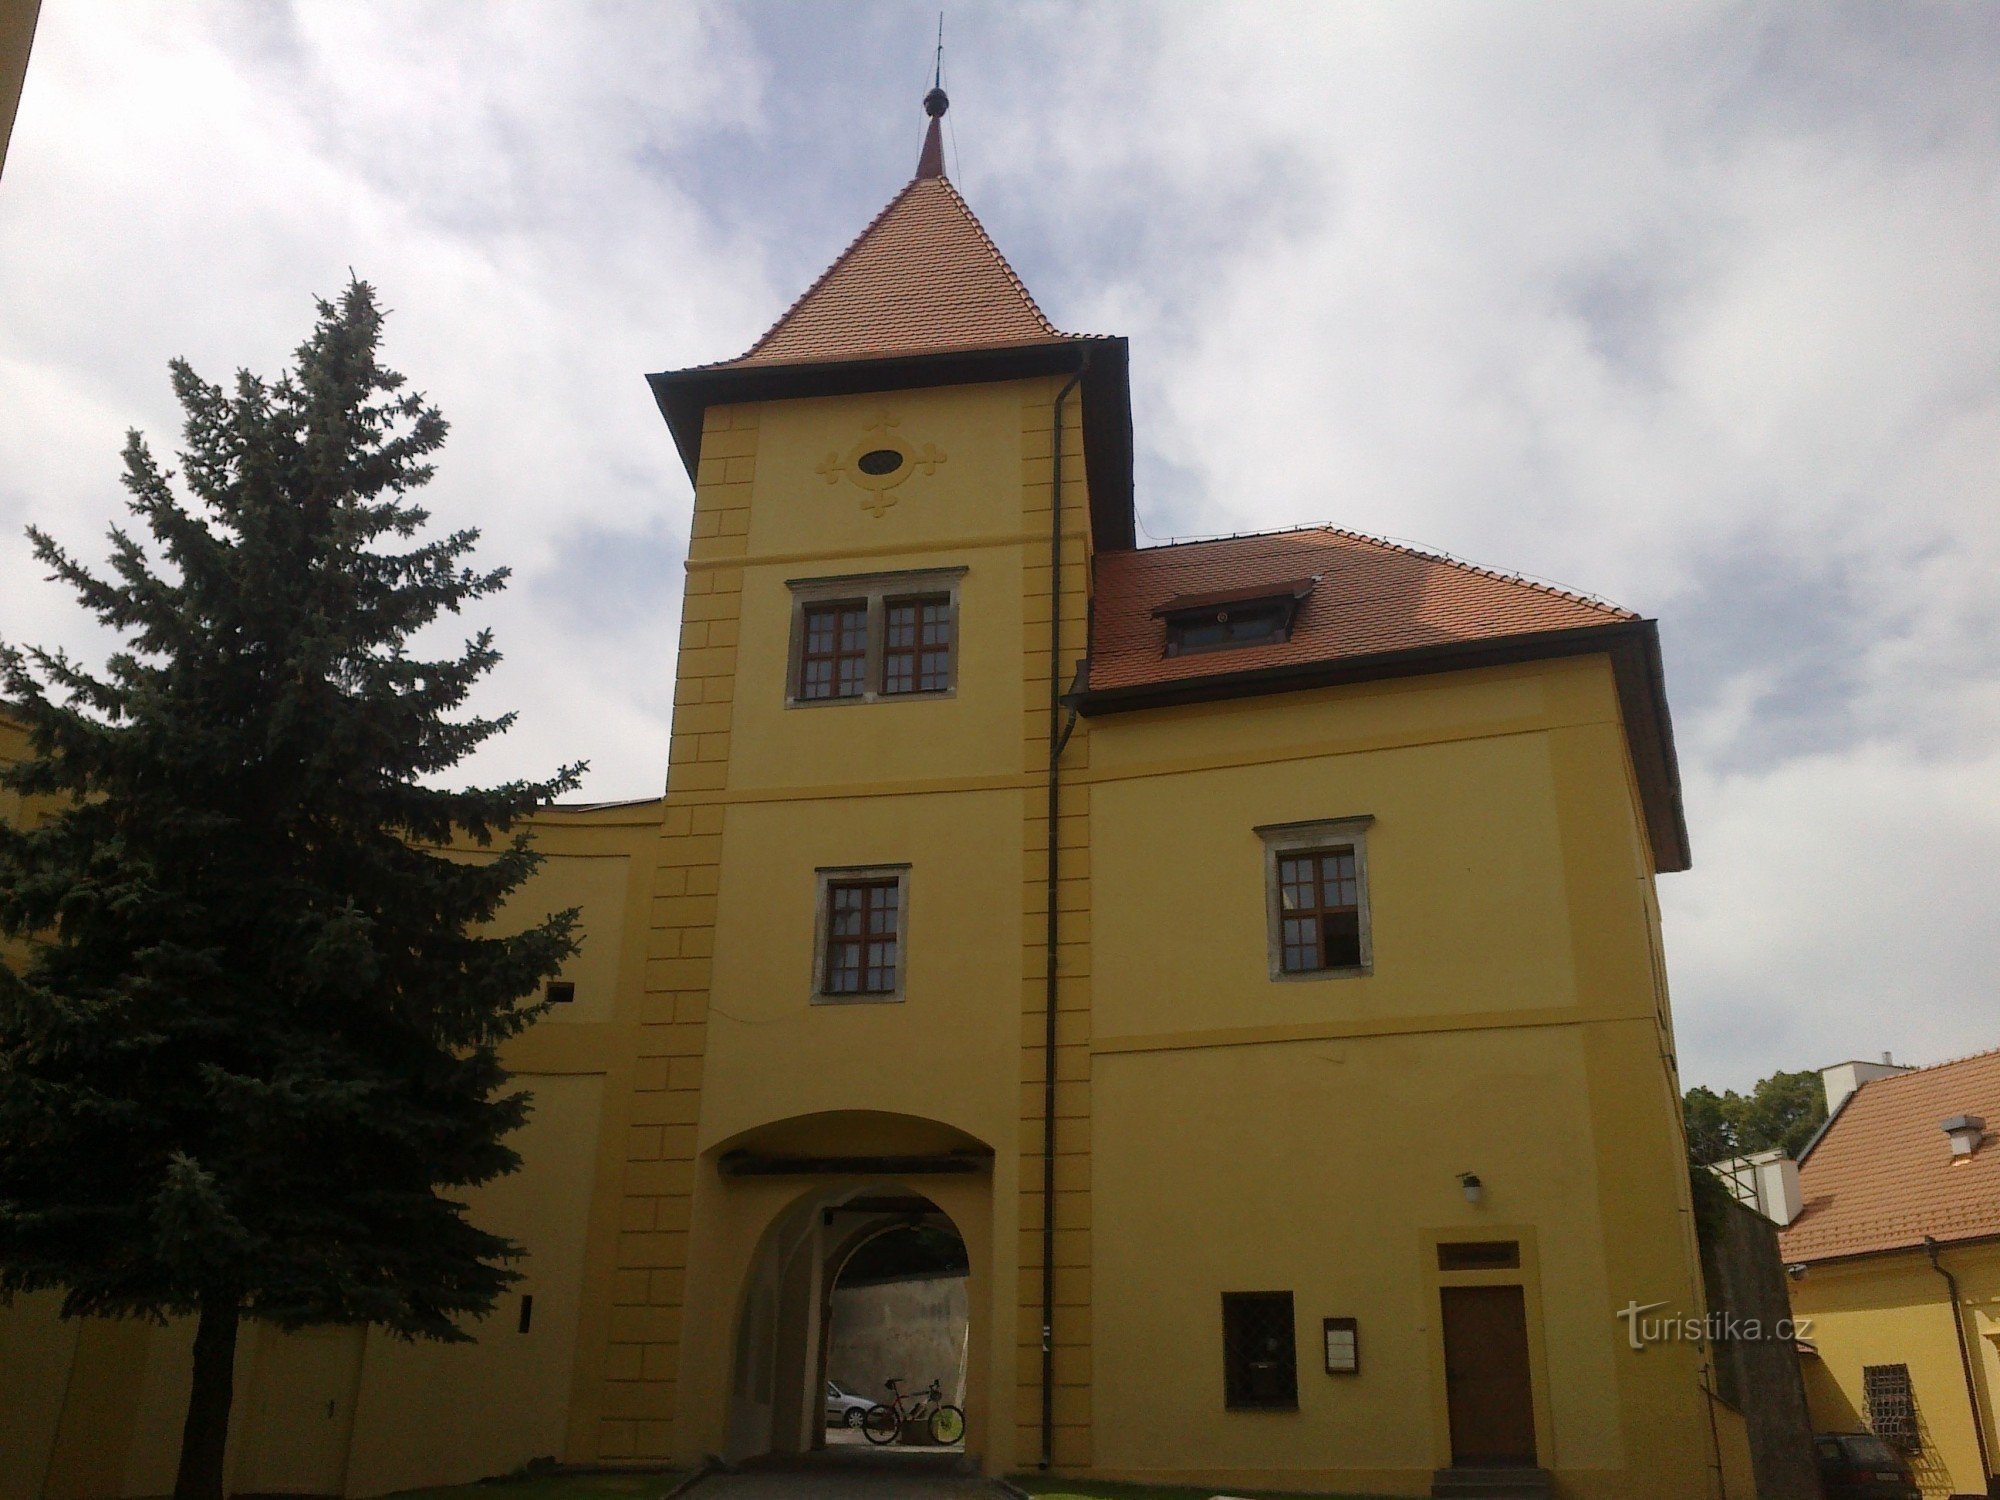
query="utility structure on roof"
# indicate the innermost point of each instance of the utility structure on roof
(1248, 949)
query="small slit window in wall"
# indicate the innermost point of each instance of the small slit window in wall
(1260, 1368)
(861, 638)
(1224, 619)
(1891, 1404)
(1316, 882)
(862, 918)
(561, 992)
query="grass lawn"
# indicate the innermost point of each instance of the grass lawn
(556, 1487)
(1103, 1489)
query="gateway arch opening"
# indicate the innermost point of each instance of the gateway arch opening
(898, 1331)
(852, 1288)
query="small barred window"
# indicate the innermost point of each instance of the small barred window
(1260, 1369)
(1892, 1408)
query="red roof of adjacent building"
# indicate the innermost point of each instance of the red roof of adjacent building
(1368, 597)
(1882, 1176)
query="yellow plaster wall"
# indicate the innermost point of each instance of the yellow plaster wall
(1894, 1309)
(94, 1408)
(36, 1349)
(489, 1407)
(1257, 1135)
(773, 1053)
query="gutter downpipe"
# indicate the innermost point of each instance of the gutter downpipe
(1056, 741)
(1931, 1248)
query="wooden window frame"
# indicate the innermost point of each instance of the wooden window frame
(840, 610)
(1478, 1255)
(826, 878)
(1316, 836)
(874, 592)
(917, 650)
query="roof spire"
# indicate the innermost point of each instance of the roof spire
(931, 162)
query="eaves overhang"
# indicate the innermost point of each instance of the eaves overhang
(1633, 647)
(684, 397)
(1882, 1252)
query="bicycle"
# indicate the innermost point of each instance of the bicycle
(884, 1424)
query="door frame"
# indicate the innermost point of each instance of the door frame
(1528, 1277)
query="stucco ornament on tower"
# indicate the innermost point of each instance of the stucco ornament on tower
(880, 461)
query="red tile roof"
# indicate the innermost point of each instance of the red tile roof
(1371, 597)
(923, 278)
(1883, 1176)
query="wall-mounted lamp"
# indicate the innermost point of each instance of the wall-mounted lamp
(1474, 1188)
(1796, 1271)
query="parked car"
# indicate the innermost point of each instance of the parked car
(844, 1408)
(1860, 1466)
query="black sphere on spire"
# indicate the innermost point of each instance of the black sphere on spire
(936, 103)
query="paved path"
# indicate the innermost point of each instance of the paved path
(887, 1477)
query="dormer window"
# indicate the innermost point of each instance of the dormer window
(1221, 621)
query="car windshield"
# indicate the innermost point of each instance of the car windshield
(1870, 1452)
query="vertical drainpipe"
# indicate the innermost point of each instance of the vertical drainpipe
(1965, 1363)
(1056, 738)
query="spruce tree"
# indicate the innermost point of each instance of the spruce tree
(252, 1054)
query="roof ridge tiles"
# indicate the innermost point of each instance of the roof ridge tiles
(1001, 260)
(1914, 1070)
(1408, 549)
(821, 280)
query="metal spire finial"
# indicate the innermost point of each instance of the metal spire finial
(931, 162)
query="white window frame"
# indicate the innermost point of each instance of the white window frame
(1313, 836)
(825, 878)
(873, 590)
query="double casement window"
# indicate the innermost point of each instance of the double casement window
(871, 637)
(1316, 890)
(862, 925)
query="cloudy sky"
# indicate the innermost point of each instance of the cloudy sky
(1690, 306)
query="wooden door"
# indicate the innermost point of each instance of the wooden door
(300, 1412)
(1488, 1386)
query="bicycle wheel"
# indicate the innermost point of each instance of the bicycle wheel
(880, 1425)
(947, 1425)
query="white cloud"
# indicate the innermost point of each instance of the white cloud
(181, 181)
(1689, 305)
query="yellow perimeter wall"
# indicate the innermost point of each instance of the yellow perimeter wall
(1895, 1310)
(93, 1410)
(1218, 1131)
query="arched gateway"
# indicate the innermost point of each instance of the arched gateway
(792, 1203)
